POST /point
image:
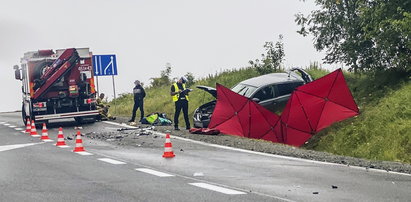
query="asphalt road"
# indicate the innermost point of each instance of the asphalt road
(31, 170)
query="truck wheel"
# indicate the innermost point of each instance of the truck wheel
(23, 115)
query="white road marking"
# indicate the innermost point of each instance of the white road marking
(63, 146)
(84, 153)
(35, 135)
(11, 126)
(2, 122)
(16, 146)
(18, 129)
(23, 131)
(112, 161)
(6, 124)
(48, 140)
(217, 188)
(259, 153)
(154, 172)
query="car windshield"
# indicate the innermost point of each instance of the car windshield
(244, 90)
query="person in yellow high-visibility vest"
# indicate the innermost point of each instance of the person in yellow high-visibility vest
(179, 93)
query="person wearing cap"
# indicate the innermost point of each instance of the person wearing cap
(139, 95)
(179, 93)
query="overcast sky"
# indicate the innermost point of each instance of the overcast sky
(195, 36)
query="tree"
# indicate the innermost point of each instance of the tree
(190, 79)
(164, 78)
(271, 61)
(367, 35)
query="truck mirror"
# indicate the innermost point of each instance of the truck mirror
(17, 73)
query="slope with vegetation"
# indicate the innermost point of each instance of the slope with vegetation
(381, 132)
(372, 39)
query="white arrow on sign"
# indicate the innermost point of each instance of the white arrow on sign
(108, 65)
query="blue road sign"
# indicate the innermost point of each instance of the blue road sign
(104, 65)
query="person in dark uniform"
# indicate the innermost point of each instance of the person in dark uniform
(179, 93)
(139, 95)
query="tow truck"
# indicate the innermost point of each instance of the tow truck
(57, 84)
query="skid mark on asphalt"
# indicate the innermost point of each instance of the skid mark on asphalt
(154, 172)
(217, 188)
(112, 161)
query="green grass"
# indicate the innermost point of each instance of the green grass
(381, 132)
(383, 129)
(159, 99)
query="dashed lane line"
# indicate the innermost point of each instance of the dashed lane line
(112, 161)
(84, 153)
(6, 124)
(217, 188)
(16, 146)
(18, 129)
(154, 172)
(11, 126)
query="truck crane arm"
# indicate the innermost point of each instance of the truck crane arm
(63, 64)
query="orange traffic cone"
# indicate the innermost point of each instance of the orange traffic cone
(44, 134)
(60, 139)
(33, 132)
(168, 148)
(28, 126)
(79, 143)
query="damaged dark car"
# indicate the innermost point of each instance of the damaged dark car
(271, 91)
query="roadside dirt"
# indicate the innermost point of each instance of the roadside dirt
(144, 137)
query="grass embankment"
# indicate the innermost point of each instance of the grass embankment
(381, 132)
(383, 129)
(159, 99)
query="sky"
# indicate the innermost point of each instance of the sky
(201, 37)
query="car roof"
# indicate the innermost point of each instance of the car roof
(272, 78)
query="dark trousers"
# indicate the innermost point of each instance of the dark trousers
(138, 104)
(181, 104)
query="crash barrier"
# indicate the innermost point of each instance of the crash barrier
(79, 143)
(44, 134)
(33, 132)
(168, 148)
(60, 139)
